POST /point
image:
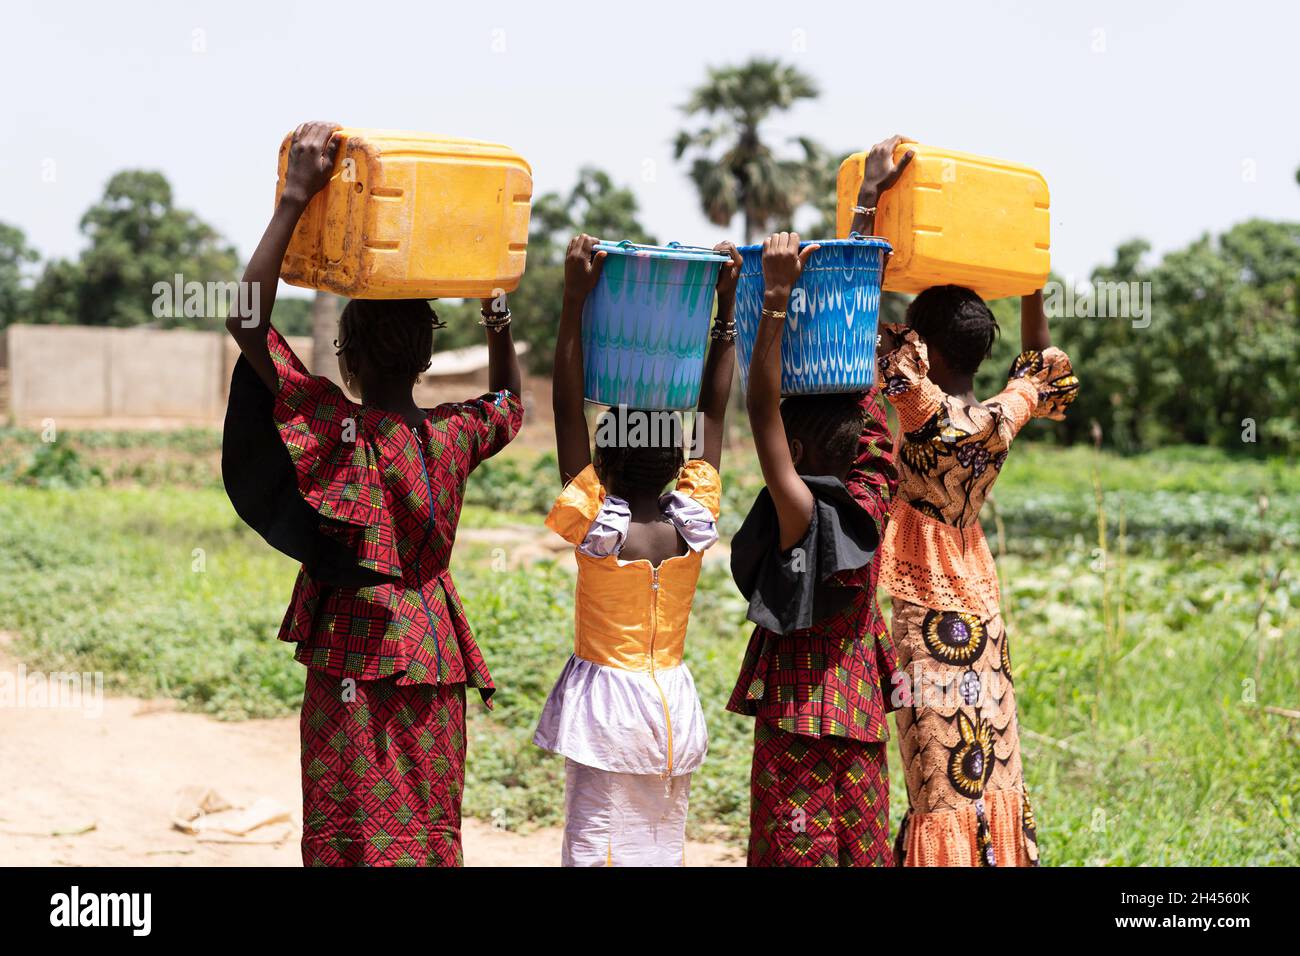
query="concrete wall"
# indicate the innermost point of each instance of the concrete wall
(78, 372)
(92, 377)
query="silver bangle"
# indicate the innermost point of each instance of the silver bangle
(864, 210)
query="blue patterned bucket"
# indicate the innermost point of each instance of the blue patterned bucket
(646, 325)
(829, 343)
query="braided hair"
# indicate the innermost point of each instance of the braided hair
(393, 336)
(956, 322)
(828, 427)
(638, 450)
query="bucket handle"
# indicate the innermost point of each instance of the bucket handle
(629, 244)
(677, 245)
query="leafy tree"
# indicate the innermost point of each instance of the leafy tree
(733, 169)
(1221, 347)
(137, 238)
(594, 205)
(823, 173)
(55, 298)
(14, 255)
(293, 315)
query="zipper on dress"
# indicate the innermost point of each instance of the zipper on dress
(428, 533)
(654, 634)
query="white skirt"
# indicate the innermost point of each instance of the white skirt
(623, 819)
(614, 719)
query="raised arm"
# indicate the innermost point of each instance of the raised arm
(503, 363)
(310, 164)
(782, 264)
(878, 175)
(572, 443)
(1033, 323)
(873, 479)
(715, 389)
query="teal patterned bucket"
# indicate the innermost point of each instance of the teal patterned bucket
(645, 326)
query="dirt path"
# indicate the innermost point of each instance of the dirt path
(79, 790)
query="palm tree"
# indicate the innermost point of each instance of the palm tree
(746, 177)
(324, 329)
(823, 171)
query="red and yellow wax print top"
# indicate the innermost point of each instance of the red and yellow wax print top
(833, 679)
(393, 494)
(950, 454)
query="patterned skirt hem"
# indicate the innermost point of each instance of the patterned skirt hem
(996, 830)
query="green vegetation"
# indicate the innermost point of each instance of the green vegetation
(1150, 596)
(1145, 675)
(136, 237)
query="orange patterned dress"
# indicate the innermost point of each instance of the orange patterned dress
(957, 705)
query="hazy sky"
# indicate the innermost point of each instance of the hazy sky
(1161, 120)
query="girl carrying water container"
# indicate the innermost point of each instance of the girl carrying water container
(818, 669)
(957, 727)
(624, 712)
(367, 495)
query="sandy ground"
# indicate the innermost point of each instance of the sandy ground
(79, 790)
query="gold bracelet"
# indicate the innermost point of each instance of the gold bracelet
(773, 314)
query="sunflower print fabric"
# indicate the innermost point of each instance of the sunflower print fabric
(959, 742)
(954, 637)
(951, 451)
(957, 727)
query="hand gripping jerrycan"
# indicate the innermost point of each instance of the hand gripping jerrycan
(955, 218)
(413, 216)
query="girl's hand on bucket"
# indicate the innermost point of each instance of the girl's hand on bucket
(880, 172)
(728, 272)
(581, 267)
(311, 160)
(783, 262)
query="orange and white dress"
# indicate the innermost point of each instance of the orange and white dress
(956, 714)
(624, 712)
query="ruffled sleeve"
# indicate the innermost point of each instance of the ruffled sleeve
(299, 471)
(813, 581)
(485, 425)
(608, 529)
(1039, 385)
(694, 504)
(577, 506)
(700, 482)
(904, 378)
(336, 465)
(873, 479)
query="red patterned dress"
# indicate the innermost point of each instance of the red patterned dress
(370, 505)
(819, 786)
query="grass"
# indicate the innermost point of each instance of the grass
(1145, 672)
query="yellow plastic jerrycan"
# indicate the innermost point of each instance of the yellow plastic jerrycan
(957, 218)
(413, 216)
